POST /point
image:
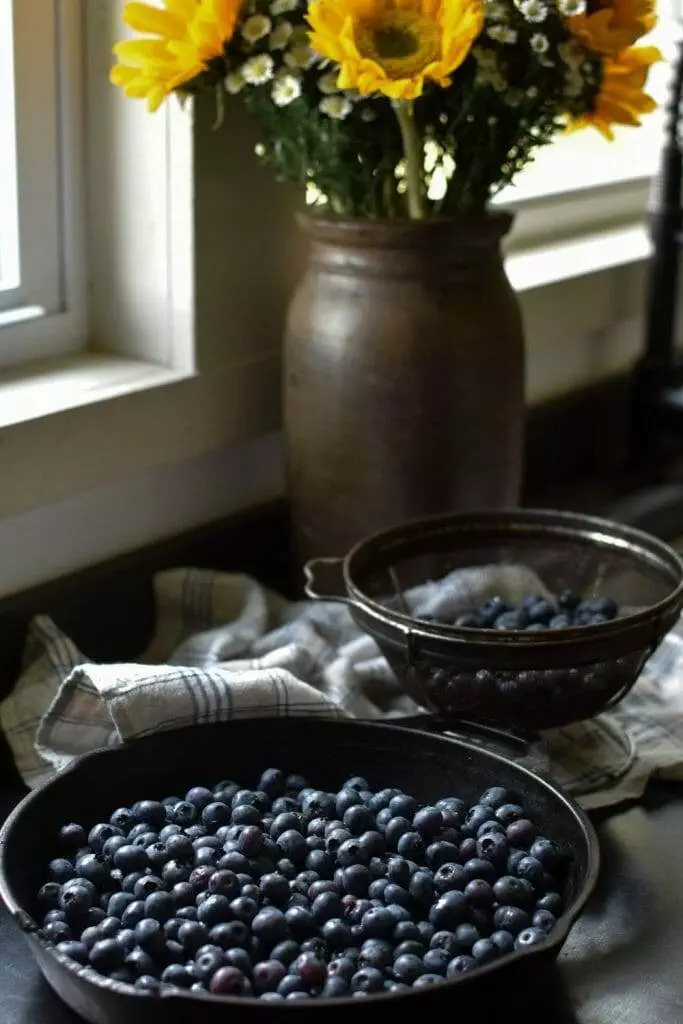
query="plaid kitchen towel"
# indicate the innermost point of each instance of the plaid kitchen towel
(226, 647)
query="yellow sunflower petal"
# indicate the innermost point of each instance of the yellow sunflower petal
(614, 25)
(391, 46)
(621, 99)
(140, 52)
(145, 18)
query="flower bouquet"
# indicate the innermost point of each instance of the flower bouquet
(401, 119)
(386, 107)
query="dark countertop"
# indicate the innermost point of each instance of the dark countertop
(621, 965)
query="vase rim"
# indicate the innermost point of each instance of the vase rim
(480, 229)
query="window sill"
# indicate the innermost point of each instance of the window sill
(543, 265)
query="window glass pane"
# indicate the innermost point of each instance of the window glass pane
(9, 219)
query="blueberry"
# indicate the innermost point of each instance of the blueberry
(216, 814)
(521, 833)
(551, 901)
(507, 813)
(531, 870)
(99, 834)
(49, 895)
(357, 782)
(271, 925)
(109, 928)
(75, 899)
(113, 844)
(377, 887)
(342, 967)
(300, 921)
(484, 951)
(460, 965)
(487, 613)
(326, 906)
(377, 953)
(478, 868)
(352, 852)
(335, 838)
(494, 797)
(515, 892)
(57, 931)
(207, 961)
(409, 948)
(544, 920)
(475, 818)
(367, 979)
(90, 936)
(245, 814)
(319, 804)
(267, 975)
(504, 941)
(192, 935)
(107, 955)
(411, 845)
(230, 934)
(530, 937)
(515, 619)
(335, 988)
(133, 913)
(467, 849)
(408, 968)
(449, 877)
(449, 941)
(373, 843)
(215, 910)
(199, 797)
(145, 839)
(494, 847)
(141, 964)
(407, 931)
(427, 980)
(394, 829)
(383, 818)
(149, 811)
(336, 933)
(435, 961)
(397, 896)
(187, 913)
(54, 915)
(94, 868)
(76, 951)
(159, 906)
(150, 936)
(377, 922)
(426, 931)
(320, 862)
(450, 910)
(479, 893)
(428, 821)
(72, 836)
(177, 975)
(291, 984)
(345, 799)
(131, 858)
(200, 877)
(548, 853)
(157, 855)
(439, 853)
(561, 621)
(310, 969)
(61, 870)
(403, 806)
(511, 919)
(147, 984)
(293, 845)
(146, 885)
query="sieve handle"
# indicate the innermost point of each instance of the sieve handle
(525, 748)
(325, 580)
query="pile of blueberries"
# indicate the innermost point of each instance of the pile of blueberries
(564, 611)
(290, 892)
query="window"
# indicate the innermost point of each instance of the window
(41, 222)
(585, 161)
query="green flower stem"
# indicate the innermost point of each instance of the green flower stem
(412, 149)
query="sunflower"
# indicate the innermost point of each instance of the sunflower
(621, 99)
(610, 26)
(190, 34)
(394, 46)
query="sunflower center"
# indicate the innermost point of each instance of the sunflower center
(403, 43)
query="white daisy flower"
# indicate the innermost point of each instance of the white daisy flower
(328, 83)
(573, 85)
(259, 69)
(539, 43)
(282, 7)
(513, 97)
(485, 58)
(234, 82)
(488, 76)
(299, 57)
(496, 11)
(285, 90)
(336, 107)
(534, 10)
(570, 8)
(571, 53)
(256, 28)
(280, 35)
(502, 34)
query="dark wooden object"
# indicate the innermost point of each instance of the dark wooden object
(404, 377)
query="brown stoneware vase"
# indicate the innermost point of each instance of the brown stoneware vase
(403, 377)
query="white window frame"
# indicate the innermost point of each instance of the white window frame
(45, 315)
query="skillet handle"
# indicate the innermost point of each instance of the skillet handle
(525, 748)
(326, 574)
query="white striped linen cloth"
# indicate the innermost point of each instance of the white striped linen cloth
(226, 647)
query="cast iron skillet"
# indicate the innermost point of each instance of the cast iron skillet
(326, 752)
